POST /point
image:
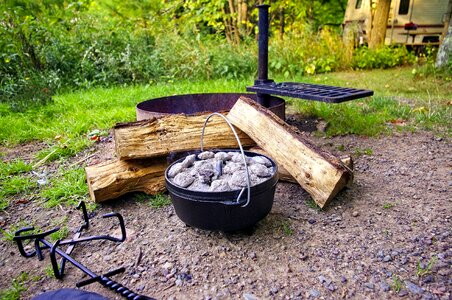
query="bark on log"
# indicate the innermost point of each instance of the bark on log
(320, 173)
(114, 178)
(158, 137)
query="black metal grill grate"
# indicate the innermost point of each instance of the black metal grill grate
(317, 92)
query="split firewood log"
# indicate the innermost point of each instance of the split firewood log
(319, 172)
(114, 178)
(174, 133)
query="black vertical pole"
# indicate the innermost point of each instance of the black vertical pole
(263, 42)
(262, 71)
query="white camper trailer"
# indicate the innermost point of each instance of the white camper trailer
(410, 22)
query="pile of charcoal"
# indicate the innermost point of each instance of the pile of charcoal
(219, 172)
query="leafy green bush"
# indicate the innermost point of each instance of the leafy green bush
(308, 53)
(48, 46)
(382, 57)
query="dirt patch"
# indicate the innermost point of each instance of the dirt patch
(391, 229)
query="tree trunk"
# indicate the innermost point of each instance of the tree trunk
(445, 50)
(281, 23)
(379, 23)
(320, 173)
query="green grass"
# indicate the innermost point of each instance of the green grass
(388, 205)
(427, 270)
(14, 185)
(401, 100)
(363, 151)
(159, 201)
(311, 204)
(62, 149)
(8, 235)
(286, 228)
(156, 201)
(13, 181)
(14, 167)
(67, 188)
(48, 272)
(60, 234)
(64, 230)
(397, 284)
(74, 115)
(17, 287)
(399, 95)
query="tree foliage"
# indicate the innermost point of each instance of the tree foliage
(48, 45)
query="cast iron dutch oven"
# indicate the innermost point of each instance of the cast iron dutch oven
(224, 211)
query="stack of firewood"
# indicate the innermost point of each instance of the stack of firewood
(142, 150)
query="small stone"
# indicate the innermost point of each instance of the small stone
(205, 176)
(314, 293)
(428, 279)
(238, 180)
(444, 272)
(260, 170)
(274, 290)
(442, 256)
(369, 285)
(387, 258)
(427, 296)
(232, 168)
(311, 221)
(252, 255)
(403, 260)
(355, 213)
(107, 258)
(178, 282)
(183, 179)
(261, 160)
(219, 185)
(385, 287)
(140, 288)
(174, 170)
(335, 218)
(168, 266)
(402, 293)
(188, 161)
(206, 155)
(248, 296)
(322, 279)
(413, 288)
(223, 156)
(238, 158)
(332, 287)
(380, 254)
(343, 279)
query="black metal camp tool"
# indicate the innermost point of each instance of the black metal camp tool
(40, 244)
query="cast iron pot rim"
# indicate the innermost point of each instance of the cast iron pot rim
(203, 196)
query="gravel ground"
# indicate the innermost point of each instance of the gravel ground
(388, 236)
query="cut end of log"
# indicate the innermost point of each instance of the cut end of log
(114, 178)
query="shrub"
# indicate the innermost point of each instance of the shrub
(382, 58)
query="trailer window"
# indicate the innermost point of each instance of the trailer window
(404, 7)
(358, 4)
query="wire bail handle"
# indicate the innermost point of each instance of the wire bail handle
(241, 151)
